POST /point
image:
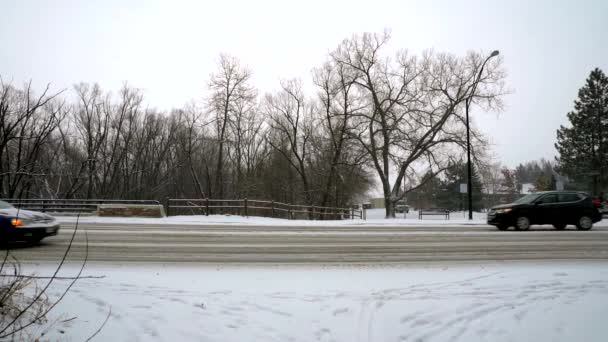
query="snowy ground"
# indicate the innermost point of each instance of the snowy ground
(557, 301)
(375, 217)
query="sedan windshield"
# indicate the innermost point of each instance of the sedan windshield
(528, 199)
(5, 205)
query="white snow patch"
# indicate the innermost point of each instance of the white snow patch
(552, 301)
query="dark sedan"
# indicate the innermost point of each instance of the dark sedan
(558, 208)
(25, 225)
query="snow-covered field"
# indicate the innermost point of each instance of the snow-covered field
(550, 301)
(375, 217)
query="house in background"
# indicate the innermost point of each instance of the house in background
(526, 188)
(376, 203)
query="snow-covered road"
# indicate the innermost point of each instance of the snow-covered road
(521, 301)
(136, 242)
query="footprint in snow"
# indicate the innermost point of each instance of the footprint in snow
(340, 311)
(323, 335)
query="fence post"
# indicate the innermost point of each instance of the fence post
(206, 206)
(43, 207)
(352, 213)
(312, 217)
(246, 208)
(167, 206)
(272, 204)
(289, 213)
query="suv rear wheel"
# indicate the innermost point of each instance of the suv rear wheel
(584, 223)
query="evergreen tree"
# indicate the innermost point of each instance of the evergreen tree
(509, 184)
(544, 182)
(450, 196)
(583, 147)
(426, 195)
(529, 172)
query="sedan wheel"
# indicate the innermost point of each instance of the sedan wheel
(522, 223)
(584, 223)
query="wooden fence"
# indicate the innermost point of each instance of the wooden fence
(206, 206)
(247, 207)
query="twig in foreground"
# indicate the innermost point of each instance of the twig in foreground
(101, 327)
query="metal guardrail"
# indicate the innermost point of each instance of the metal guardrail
(247, 207)
(68, 205)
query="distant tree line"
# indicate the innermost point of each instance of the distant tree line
(541, 174)
(396, 120)
(112, 146)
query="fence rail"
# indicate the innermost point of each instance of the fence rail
(264, 208)
(68, 205)
(198, 206)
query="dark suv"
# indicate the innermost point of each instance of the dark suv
(559, 208)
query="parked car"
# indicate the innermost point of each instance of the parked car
(401, 207)
(559, 208)
(25, 225)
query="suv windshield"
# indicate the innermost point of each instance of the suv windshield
(5, 205)
(528, 199)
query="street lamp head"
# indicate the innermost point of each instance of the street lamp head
(494, 53)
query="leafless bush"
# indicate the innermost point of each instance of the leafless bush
(20, 302)
(24, 302)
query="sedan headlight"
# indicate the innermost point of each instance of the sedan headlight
(503, 211)
(19, 222)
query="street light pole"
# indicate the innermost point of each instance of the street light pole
(467, 105)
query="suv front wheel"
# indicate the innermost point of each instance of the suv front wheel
(584, 223)
(522, 223)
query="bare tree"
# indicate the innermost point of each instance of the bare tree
(92, 118)
(291, 122)
(247, 146)
(492, 179)
(410, 122)
(339, 104)
(192, 129)
(27, 122)
(230, 91)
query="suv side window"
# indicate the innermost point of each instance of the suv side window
(550, 198)
(569, 197)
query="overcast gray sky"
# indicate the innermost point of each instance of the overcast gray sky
(169, 48)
